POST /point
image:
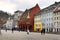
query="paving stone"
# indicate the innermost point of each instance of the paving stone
(23, 36)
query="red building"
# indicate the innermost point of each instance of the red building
(29, 22)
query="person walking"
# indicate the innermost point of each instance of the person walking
(28, 32)
(12, 30)
(6, 29)
(43, 31)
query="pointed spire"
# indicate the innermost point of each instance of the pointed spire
(37, 4)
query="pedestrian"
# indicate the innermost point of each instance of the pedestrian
(12, 30)
(43, 31)
(28, 32)
(6, 29)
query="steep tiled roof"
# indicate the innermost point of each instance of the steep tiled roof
(51, 7)
(24, 12)
(29, 10)
(18, 11)
(33, 7)
(57, 9)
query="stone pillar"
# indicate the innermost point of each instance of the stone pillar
(53, 30)
(56, 29)
(48, 29)
(45, 29)
(59, 29)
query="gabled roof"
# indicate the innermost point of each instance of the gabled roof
(57, 9)
(29, 10)
(18, 11)
(24, 12)
(50, 7)
(34, 7)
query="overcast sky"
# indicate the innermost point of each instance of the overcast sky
(13, 5)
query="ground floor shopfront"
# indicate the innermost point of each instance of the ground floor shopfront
(25, 28)
(31, 28)
(25, 24)
(56, 29)
(52, 29)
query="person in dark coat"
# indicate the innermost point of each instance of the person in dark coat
(43, 31)
(12, 29)
(6, 29)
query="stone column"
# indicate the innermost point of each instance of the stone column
(59, 30)
(48, 29)
(56, 29)
(45, 29)
(53, 30)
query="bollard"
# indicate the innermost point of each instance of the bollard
(0, 31)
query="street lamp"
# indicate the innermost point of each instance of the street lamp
(0, 30)
(28, 18)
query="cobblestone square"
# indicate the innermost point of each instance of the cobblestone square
(23, 36)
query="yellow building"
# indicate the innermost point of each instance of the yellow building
(37, 23)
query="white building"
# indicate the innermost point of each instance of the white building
(9, 23)
(46, 16)
(17, 17)
(17, 14)
(47, 20)
(57, 19)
